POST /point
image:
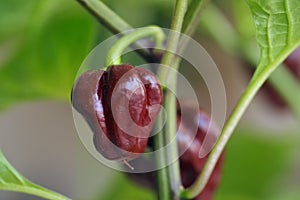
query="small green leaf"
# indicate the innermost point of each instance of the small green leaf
(277, 30)
(11, 180)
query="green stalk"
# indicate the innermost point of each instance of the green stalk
(277, 79)
(174, 36)
(105, 15)
(114, 54)
(190, 25)
(192, 18)
(170, 99)
(163, 185)
(113, 22)
(255, 84)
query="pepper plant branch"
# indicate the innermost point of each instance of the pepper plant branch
(237, 113)
(229, 127)
(114, 54)
(163, 185)
(244, 101)
(190, 24)
(192, 17)
(174, 35)
(170, 99)
(105, 15)
(114, 23)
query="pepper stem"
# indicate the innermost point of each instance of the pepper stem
(114, 54)
(128, 164)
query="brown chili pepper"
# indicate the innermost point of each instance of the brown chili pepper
(190, 142)
(191, 164)
(120, 106)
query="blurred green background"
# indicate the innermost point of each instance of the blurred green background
(42, 45)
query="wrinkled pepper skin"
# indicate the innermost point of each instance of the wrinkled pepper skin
(191, 164)
(120, 106)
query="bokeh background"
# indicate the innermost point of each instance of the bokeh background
(43, 43)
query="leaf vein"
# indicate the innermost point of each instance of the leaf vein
(269, 38)
(289, 31)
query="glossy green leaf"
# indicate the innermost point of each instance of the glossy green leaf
(12, 180)
(277, 30)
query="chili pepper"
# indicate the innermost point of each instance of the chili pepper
(189, 144)
(120, 106)
(191, 164)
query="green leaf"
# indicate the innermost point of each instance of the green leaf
(277, 30)
(11, 180)
(278, 34)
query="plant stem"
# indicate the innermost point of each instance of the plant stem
(190, 24)
(256, 82)
(192, 18)
(174, 36)
(114, 23)
(105, 15)
(163, 185)
(114, 54)
(170, 99)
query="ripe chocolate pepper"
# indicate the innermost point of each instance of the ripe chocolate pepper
(191, 164)
(190, 142)
(120, 106)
